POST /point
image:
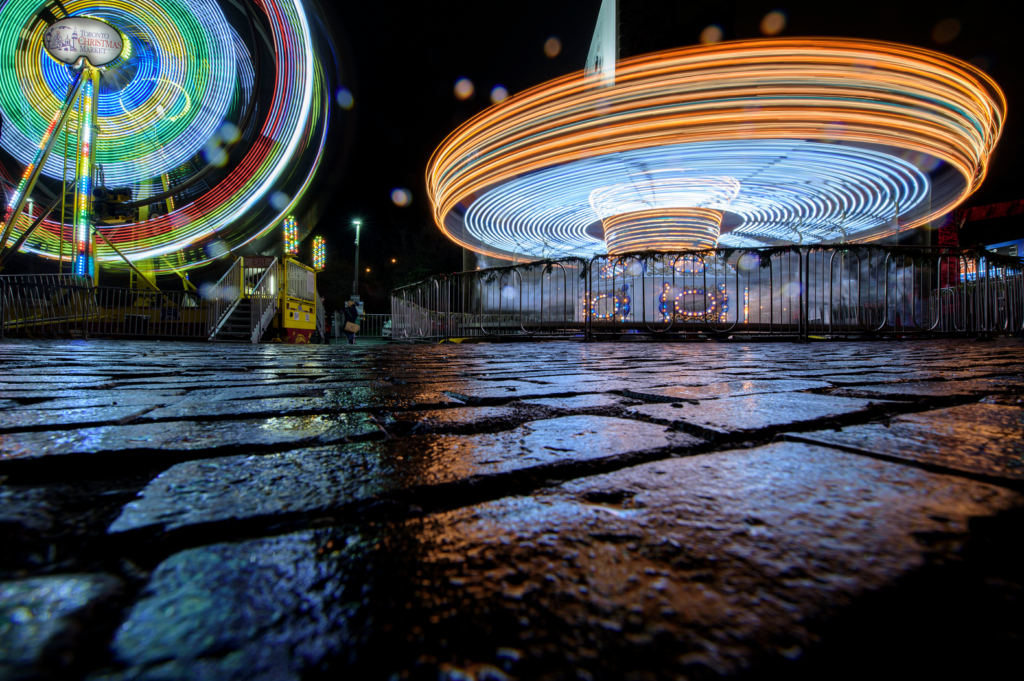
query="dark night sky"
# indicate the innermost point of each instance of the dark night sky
(407, 57)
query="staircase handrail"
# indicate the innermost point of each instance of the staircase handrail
(222, 304)
(264, 299)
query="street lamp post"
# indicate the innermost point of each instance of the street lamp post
(355, 278)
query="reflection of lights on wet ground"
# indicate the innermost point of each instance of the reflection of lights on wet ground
(463, 89)
(552, 47)
(401, 197)
(711, 34)
(946, 31)
(344, 98)
(773, 22)
(499, 94)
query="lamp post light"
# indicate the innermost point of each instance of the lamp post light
(355, 279)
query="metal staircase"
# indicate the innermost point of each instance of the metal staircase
(236, 327)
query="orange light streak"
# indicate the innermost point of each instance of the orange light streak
(853, 92)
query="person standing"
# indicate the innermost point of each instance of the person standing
(351, 316)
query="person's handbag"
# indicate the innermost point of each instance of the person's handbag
(351, 327)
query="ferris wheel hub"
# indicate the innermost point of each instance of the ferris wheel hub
(80, 40)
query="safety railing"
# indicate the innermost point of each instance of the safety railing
(61, 306)
(223, 297)
(372, 325)
(793, 291)
(264, 300)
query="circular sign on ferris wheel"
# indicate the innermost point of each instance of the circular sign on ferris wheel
(70, 39)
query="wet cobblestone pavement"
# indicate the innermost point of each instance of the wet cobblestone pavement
(489, 512)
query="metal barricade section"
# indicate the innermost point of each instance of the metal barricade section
(63, 306)
(790, 291)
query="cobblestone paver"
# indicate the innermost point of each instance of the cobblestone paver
(533, 511)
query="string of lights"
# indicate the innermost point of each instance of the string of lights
(794, 140)
(291, 235)
(319, 255)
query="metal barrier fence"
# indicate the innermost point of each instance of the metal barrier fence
(63, 305)
(66, 305)
(796, 291)
(370, 325)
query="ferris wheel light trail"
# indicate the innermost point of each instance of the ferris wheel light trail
(796, 140)
(183, 74)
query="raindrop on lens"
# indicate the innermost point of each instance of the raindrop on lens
(773, 22)
(279, 200)
(344, 98)
(216, 249)
(463, 89)
(499, 94)
(711, 34)
(401, 197)
(214, 154)
(228, 133)
(981, 61)
(945, 31)
(552, 47)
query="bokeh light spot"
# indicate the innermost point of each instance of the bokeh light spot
(711, 34)
(463, 89)
(773, 23)
(344, 98)
(981, 61)
(552, 47)
(499, 94)
(228, 133)
(279, 200)
(401, 197)
(214, 154)
(945, 31)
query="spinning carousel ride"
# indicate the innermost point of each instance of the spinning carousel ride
(740, 144)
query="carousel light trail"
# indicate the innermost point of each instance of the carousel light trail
(791, 140)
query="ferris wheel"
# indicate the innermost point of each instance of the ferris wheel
(176, 131)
